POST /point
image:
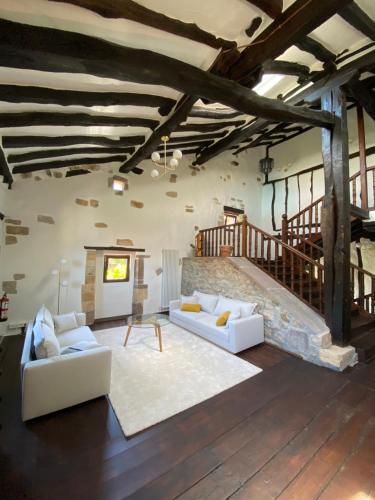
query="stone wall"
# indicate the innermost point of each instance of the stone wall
(289, 323)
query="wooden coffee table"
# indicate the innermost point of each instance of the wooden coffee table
(155, 321)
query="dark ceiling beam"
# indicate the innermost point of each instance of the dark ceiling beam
(198, 112)
(256, 142)
(208, 127)
(311, 94)
(36, 141)
(308, 44)
(37, 118)
(182, 145)
(42, 95)
(4, 169)
(357, 18)
(363, 95)
(186, 151)
(198, 137)
(287, 68)
(295, 22)
(253, 26)
(272, 8)
(75, 172)
(53, 153)
(127, 9)
(34, 167)
(47, 49)
(145, 151)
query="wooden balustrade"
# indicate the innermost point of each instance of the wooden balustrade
(363, 288)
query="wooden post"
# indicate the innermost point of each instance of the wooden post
(361, 276)
(244, 236)
(336, 220)
(199, 244)
(284, 234)
(362, 156)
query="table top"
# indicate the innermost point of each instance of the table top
(148, 320)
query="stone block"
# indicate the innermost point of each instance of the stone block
(81, 202)
(136, 204)
(140, 293)
(124, 242)
(101, 225)
(137, 308)
(10, 240)
(19, 276)
(47, 219)
(87, 306)
(94, 203)
(20, 230)
(13, 222)
(171, 194)
(57, 175)
(10, 287)
(90, 317)
(173, 178)
(90, 279)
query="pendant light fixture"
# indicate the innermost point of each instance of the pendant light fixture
(162, 167)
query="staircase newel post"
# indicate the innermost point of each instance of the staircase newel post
(284, 233)
(244, 236)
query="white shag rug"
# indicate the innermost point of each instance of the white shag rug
(149, 386)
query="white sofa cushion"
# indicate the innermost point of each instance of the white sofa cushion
(71, 337)
(247, 308)
(44, 315)
(189, 299)
(224, 304)
(207, 301)
(45, 342)
(65, 322)
(83, 345)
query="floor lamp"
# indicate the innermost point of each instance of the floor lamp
(61, 283)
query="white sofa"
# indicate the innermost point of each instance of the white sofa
(63, 380)
(238, 335)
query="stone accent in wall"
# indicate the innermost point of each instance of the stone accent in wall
(124, 242)
(234, 163)
(81, 202)
(294, 328)
(10, 287)
(94, 203)
(19, 276)
(136, 204)
(189, 208)
(173, 178)
(88, 288)
(10, 240)
(158, 271)
(58, 175)
(101, 225)
(20, 230)
(140, 289)
(47, 219)
(171, 194)
(37, 178)
(13, 222)
(196, 228)
(27, 175)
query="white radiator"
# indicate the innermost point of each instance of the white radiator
(171, 277)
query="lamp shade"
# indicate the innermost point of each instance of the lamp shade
(266, 165)
(155, 156)
(173, 163)
(177, 154)
(155, 173)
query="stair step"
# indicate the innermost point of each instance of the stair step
(365, 346)
(361, 323)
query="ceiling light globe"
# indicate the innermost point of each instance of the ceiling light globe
(173, 163)
(177, 154)
(155, 156)
(154, 173)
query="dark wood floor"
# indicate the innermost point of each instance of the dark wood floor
(295, 431)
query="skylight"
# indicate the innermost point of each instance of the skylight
(267, 83)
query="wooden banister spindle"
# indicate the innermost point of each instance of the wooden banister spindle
(244, 236)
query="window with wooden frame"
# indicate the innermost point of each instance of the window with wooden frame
(231, 214)
(116, 268)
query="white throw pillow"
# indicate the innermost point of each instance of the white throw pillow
(189, 299)
(45, 341)
(247, 309)
(44, 315)
(207, 301)
(225, 304)
(64, 322)
(83, 345)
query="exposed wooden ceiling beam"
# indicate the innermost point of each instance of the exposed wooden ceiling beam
(75, 172)
(47, 49)
(287, 68)
(308, 44)
(198, 137)
(182, 145)
(4, 169)
(42, 95)
(295, 22)
(357, 18)
(208, 127)
(198, 112)
(363, 95)
(53, 153)
(127, 9)
(273, 8)
(38, 118)
(253, 26)
(34, 167)
(35, 141)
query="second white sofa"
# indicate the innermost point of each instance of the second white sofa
(239, 334)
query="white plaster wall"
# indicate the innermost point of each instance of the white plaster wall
(162, 223)
(4, 193)
(298, 154)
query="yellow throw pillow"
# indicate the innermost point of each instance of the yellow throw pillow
(194, 308)
(223, 318)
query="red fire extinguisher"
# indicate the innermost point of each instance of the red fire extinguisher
(4, 306)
